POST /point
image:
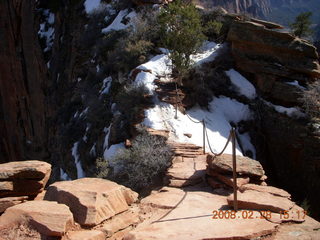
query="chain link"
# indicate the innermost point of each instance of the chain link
(205, 129)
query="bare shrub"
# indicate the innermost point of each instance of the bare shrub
(101, 168)
(131, 100)
(311, 100)
(139, 165)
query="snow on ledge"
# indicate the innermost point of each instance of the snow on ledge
(222, 111)
(244, 87)
(207, 53)
(290, 112)
(117, 22)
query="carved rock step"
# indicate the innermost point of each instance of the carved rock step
(186, 171)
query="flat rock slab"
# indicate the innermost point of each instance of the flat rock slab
(32, 169)
(308, 230)
(254, 200)
(189, 216)
(84, 235)
(245, 165)
(48, 218)
(11, 201)
(269, 189)
(92, 200)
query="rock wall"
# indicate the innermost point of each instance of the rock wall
(23, 80)
(273, 58)
(287, 146)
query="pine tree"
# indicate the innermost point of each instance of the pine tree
(181, 33)
(302, 25)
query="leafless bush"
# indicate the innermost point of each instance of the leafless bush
(311, 100)
(148, 157)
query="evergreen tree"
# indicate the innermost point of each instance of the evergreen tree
(302, 25)
(181, 33)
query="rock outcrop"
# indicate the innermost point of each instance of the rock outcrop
(273, 58)
(92, 200)
(47, 218)
(20, 181)
(219, 171)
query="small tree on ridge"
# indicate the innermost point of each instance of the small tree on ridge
(302, 25)
(181, 33)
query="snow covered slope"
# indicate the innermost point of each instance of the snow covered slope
(221, 111)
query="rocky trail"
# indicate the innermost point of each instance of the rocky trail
(196, 203)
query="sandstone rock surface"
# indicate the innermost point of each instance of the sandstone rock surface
(191, 210)
(85, 235)
(48, 218)
(255, 46)
(269, 189)
(245, 165)
(120, 222)
(261, 201)
(32, 169)
(22, 180)
(92, 200)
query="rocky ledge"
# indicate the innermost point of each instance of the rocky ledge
(273, 57)
(97, 209)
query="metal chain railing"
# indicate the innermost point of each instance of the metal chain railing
(232, 137)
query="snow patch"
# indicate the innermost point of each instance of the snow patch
(159, 65)
(46, 29)
(113, 150)
(91, 5)
(64, 176)
(118, 22)
(207, 53)
(222, 111)
(93, 151)
(296, 83)
(106, 86)
(75, 154)
(244, 87)
(291, 112)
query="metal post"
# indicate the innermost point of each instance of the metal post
(177, 96)
(204, 136)
(234, 166)
(176, 115)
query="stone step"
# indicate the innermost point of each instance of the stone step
(254, 200)
(186, 171)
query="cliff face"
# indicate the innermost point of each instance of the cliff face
(288, 146)
(22, 80)
(274, 58)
